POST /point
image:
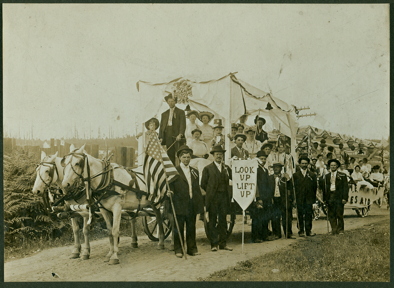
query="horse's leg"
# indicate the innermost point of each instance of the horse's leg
(107, 219)
(134, 240)
(116, 214)
(86, 249)
(77, 241)
(159, 221)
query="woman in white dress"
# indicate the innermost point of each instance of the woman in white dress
(206, 129)
(251, 144)
(192, 125)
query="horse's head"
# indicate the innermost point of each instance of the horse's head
(46, 173)
(74, 164)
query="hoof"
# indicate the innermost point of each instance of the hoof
(74, 255)
(134, 245)
(106, 259)
(113, 261)
(85, 257)
(161, 247)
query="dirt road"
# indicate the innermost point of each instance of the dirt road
(146, 263)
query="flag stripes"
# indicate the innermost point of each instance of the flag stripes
(157, 167)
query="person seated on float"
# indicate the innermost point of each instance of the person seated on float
(315, 149)
(343, 169)
(331, 150)
(242, 121)
(234, 128)
(260, 135)
(352, 164)
(192, 125)
(251, 144)
(199, 147)
(365, 167)
(218, 137)
(238, 152)
(240, 128)
(206, 129)
(313, 165)
(376, 178)
(357, 175)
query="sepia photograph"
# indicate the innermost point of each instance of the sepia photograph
(196, 142)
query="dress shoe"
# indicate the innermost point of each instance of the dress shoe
(257, 241)
(214, 249)
(269, 238)
(226, 248)
(290, 237)
(277, 237)
(311, 234)
(179, 255)
(340, 233)
(194, 254)
(301, 234)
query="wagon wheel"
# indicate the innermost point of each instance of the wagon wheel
(230, 225)
(151, 228)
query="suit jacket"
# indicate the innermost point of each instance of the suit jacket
(210, 183)
(261, 135)
(341, 188)
(235, 152)
(181, 197)
(283, 186)
(263, 192)
(178, 123)
(305, 187)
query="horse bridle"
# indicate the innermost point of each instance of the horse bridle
(52, 170)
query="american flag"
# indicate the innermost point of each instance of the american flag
(157, 166)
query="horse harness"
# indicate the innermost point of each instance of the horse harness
(106, 187)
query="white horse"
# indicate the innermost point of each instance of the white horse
(50, 172)
(111, 191)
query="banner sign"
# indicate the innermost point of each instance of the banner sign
(244, 181)
(363, 194)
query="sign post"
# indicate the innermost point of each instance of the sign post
(244, 185)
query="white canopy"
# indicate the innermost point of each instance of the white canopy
(228, 98)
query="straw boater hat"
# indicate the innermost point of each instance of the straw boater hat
(250, 129)
(218, 123)
(277, 164)
(333, 160)
(192, 112)
(196, 130)
(152, 120)
(259, 118)
(234, 126)
(266, 145)
(217, 148)
(206, 113)
(243, 136)
(184, 148)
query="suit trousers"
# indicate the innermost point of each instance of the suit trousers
(305, 213)
(217, 224)
(170, 138)
(335, 216)
(190, 222)
(260, 219)
(279, 213)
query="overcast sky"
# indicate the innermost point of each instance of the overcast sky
(77, 65)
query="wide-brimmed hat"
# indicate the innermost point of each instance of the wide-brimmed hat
(243, 136)
(260, 154)
(196, 130)
(266, 145)
(277, 164)
(250, 129)
(259, 118)
(169, 96)
(152, 120)
(217, 148)
(334, 160)
(184, 148)
(304, 158)
(192, 112)
(205, 113)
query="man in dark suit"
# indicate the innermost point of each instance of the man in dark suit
(215, 181)
(172, 127)
(262, 208)
(280, 186)
(188, 202)
(238, 151)
(335, 194)
(305, 186)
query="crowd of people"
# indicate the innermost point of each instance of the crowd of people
(281, 183)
